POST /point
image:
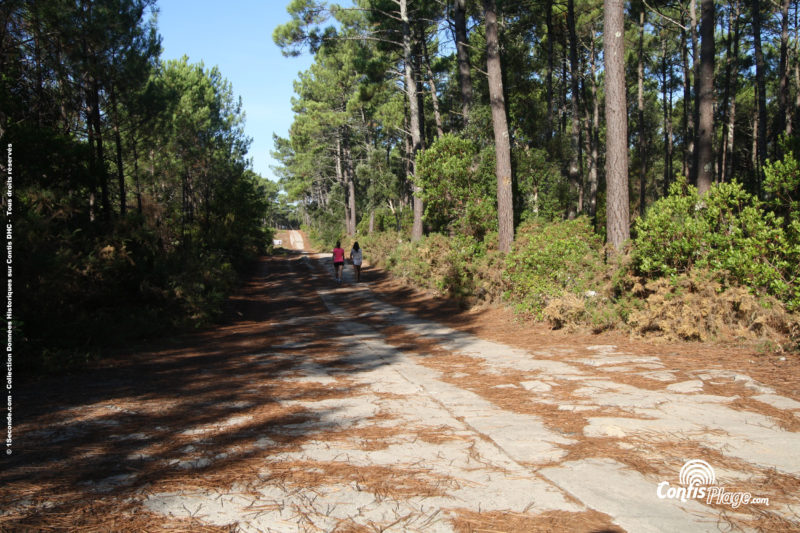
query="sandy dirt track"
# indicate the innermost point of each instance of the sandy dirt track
(319, 407)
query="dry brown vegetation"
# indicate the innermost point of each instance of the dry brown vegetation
(699, 309)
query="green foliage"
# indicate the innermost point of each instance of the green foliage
(726, 230)
(540, 183)
(324, 230)
(550, 259)
(379, 246)
(458, 190)
(386, 219)
(99, 263)
(459, 266)
(782, 183)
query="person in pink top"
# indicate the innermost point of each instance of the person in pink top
(338, 261)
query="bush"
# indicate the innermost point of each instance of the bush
(726, 231)
(458, 187)
(782, 183)
(696, 306)
(551, 259)
(460, 267)
(387, 220)
(379, 246)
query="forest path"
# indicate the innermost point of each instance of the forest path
(320, 407)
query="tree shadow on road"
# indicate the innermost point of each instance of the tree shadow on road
(205, 410)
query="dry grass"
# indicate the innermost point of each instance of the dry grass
(568, 310)
(698, 309)
(384, 482)
(467, 521)
(609, 447)
(102, 516)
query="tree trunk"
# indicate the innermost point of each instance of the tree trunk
(617, 204)
(462, 56)
(502, 141)
(350, 183)
(731, 157)
(666, 107)
(406, 197)
(784, 118)
(688, 116)
(564, 96)
(796, 112)
(549, 74)
(92, 160)
(761, 141)
(640, 118)
(696, 100)
(729, 91)
(705, 96)
(98, 139)
(432, 80)
(574, 172)
(340, 178)
(593, 136)
(413, 109)
(754, 151)
(136, 174)
(118, 142)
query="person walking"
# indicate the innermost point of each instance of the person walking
(338, 261)
(356, 257)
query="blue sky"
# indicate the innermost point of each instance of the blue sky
(236, 36)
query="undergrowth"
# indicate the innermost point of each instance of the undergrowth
(721, 267)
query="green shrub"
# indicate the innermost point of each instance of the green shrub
(551, 259)
(724, 231)
(459, 266)
(387, 219)
(782, 183)
(378, 246)
(541, 183)
(458, 187)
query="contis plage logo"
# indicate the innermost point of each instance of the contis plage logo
(698, 481)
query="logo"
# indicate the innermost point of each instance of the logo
(697, 472)
(698, 482)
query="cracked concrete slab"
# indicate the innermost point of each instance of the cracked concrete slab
(474, 454)
(629, 497)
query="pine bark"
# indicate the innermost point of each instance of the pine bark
(666, 106)
(796, 111)
(705, 97)
(123, 206)
(688, 114)
(784, 118)
(502, 141)
(350, 184)
(761, 90)
(437, 116)
(593, 137)
(414, 122)
(95, 124)
(462, 56)
(729, 92)
(549, 74)
(617, 204)
(640, 118)
(574, 171)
